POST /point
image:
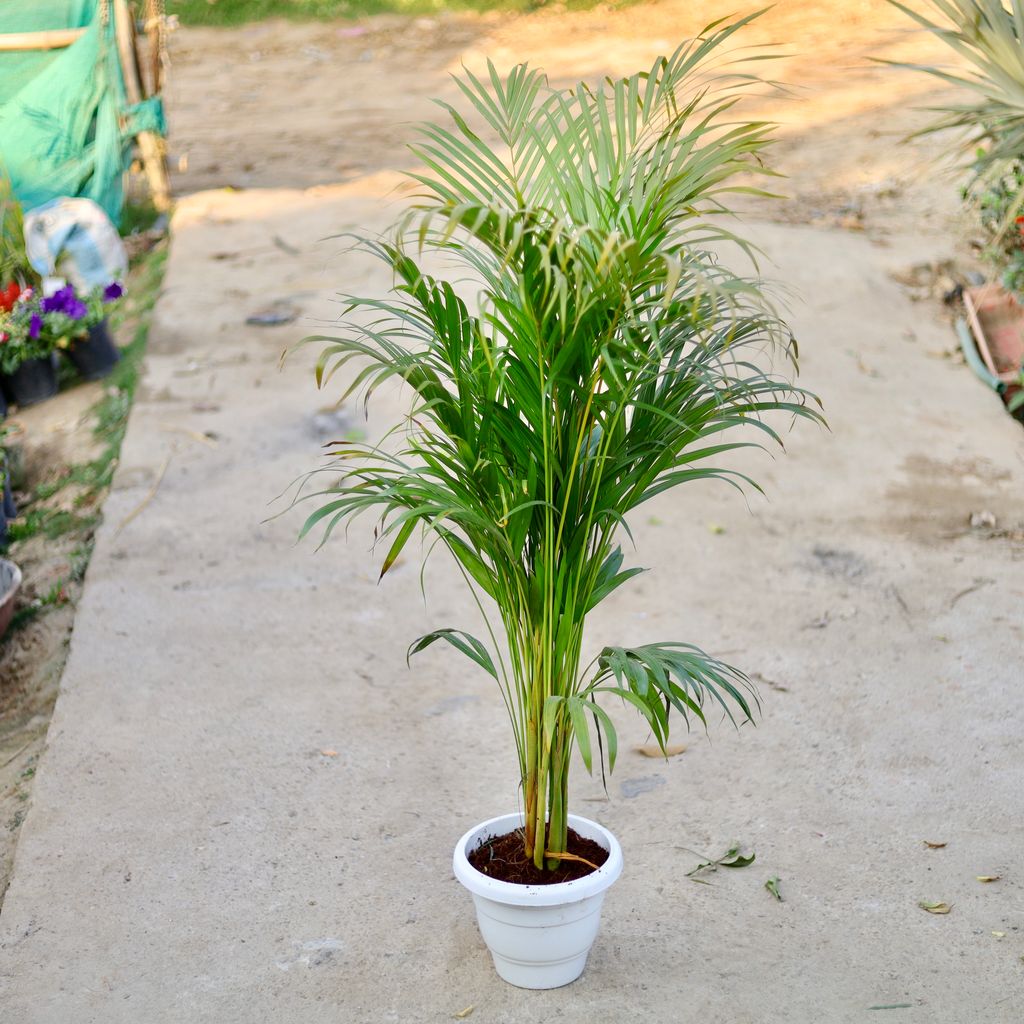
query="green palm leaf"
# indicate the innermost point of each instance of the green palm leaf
(607, 349)
(988, 35)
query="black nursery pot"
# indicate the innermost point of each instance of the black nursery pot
(33, 381)
(95, 355)
(7, 509)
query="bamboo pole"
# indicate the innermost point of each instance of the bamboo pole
(51, 39)
(151, 146)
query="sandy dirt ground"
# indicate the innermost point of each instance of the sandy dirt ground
(281, 105)
(247, 804)
(49, 437)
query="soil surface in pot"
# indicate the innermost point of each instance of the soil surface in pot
(504, 858)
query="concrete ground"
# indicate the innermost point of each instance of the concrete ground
(193, 854)
(248, 803)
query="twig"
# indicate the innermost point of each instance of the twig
(769, 682)
(894, 590)
(284, 246)
(195, 435)
(18, 754)
(978, 584)
(147, 499)
(570, 856)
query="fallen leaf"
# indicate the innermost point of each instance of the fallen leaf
(329, 753)
(772, 885)
(934, 908)
(653, 750)
(868, 371)
(988, 878)
(732, 858)
(933, 846)
(738, 861)
(715, 528)
(463, 1014)
(999, 935)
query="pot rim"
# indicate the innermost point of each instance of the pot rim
(517, 894)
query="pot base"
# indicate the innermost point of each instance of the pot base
(547, 964)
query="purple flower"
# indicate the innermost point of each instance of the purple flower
(112, 292)
(58, 301)
(35, 325)
(65, 301)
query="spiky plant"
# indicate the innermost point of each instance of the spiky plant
(989, 36)
(606, 354)
(14, 264)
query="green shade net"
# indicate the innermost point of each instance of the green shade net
(65, 124)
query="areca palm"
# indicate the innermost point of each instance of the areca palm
(989, 37)
(609, 357)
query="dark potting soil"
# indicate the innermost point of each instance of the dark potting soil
(504, 858)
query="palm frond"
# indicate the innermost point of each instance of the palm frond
(988, 35)
(608, 348)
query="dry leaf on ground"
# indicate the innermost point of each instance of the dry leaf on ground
(653, 750)
(463, 1014)
(934, 908)
(988, 878)
(933, 846)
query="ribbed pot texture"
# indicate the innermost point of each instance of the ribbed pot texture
(539, 935)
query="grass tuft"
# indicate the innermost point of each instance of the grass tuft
(238, 12)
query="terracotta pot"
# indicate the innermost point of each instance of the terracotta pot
(997, 323)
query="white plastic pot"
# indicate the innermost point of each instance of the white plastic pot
(539, 935)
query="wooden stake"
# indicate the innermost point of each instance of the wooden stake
(151, 146)
(52, 39)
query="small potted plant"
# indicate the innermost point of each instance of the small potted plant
(93, 353)
(988, 37)
(18, 279)
(606, 354)
(34, 327)
(28, 362)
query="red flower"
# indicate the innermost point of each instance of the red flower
(9, 296)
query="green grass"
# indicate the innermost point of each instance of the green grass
(237, 12)
(51, 523)
(138, 217)
(55, 597)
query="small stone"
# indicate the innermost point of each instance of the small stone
(644, 784)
